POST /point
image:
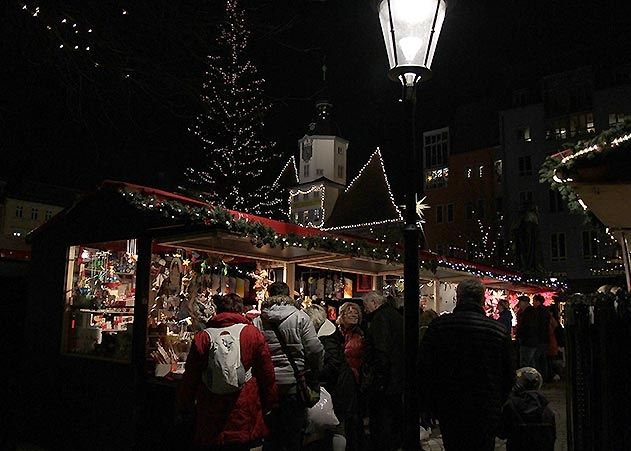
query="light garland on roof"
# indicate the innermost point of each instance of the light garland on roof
(377, 152)
(297, 192)
(292, 160)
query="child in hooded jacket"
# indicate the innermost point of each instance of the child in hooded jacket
(527, 422)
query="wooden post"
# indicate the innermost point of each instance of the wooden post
(436, 295)
(289, 276)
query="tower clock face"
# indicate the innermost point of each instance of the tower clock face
(307, 150)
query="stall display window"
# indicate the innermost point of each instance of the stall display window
(100, 297)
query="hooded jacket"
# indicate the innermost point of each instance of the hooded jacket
(528, 423)
(234, 418)
(299, 334)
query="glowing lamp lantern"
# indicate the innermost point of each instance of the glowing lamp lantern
(410, 30)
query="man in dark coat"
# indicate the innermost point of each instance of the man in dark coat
(466, 371)
(385, 372)
(526, 333)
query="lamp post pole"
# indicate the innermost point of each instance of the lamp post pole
(410, 31)
(412, 242)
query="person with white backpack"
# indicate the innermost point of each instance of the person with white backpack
(229, 383)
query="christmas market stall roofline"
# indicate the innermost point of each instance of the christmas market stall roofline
(177, 220)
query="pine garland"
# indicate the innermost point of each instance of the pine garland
(597, 147)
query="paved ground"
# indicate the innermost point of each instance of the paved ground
(555, 392)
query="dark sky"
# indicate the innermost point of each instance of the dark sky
(121, 109)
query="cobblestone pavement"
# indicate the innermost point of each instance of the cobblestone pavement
(554, 391)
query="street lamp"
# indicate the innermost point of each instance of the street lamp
(410, 31)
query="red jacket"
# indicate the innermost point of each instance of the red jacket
(237, 417)
(354, 350)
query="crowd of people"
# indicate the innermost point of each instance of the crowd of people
(251, 384)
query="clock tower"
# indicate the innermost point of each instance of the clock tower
(321, 170)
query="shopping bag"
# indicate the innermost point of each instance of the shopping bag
(321, 416)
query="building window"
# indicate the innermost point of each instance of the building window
(520, 97)
(523, 134)
(617, 118)
(340, 171)
(524, 166)
(19, 211)
(305, 216)
(581, 124)
(436, 148)
(450, 212)
(557, 246)
(556, 201)
(480, 210)
(340, 151)
(439, 214)
(316, 215)
(560, 129)
(468, 211)
(436, 178)
(498, 170)
(499, 205)
(305, 170)
(319, 171)
(590, 244)
(34, 214)
(525, 199)
(316, 194)
(48, 215)
(296, 218)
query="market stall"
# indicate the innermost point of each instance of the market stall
(121, 281)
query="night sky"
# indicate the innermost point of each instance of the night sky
(121, 110)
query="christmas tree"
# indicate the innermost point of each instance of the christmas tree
(236, 160)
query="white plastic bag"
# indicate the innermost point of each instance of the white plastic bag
(321, 416)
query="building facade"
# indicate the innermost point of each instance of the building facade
(566, 108)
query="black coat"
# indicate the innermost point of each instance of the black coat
(528, 423)
(336, 376)
(384, 351)
(532, 327)
(466, 368)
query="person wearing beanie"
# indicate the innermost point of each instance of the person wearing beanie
(527, 422)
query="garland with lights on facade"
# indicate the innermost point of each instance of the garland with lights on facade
(558, 170)
(234, 156)
(260, 235)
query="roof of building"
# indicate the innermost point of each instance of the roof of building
(43, 193)
(288, 175)
(367, 201)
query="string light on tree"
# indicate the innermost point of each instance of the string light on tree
(234, 153)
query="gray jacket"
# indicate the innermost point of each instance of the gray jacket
(300, 335)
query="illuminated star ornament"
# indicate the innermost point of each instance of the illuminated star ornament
(420, 206)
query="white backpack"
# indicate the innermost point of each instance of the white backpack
(225, 373)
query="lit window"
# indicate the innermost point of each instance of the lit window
(19, 211)
(436, 178)
(581, 124)
(617, 118)
(498, 170)
(590, 244)
(557, 246)
(523, 134)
